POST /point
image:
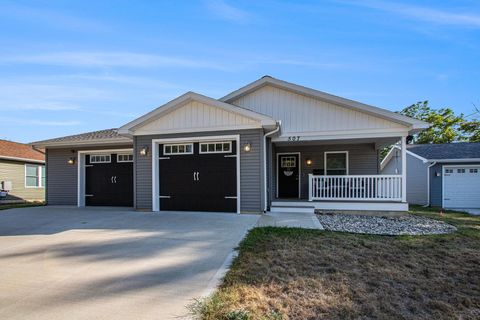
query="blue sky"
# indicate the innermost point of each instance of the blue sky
(74, 66)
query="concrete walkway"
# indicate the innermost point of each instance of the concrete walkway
(110, 263)
(290, 219)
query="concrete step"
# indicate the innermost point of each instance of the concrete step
(293, 209)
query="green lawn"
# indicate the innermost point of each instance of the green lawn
(21, 205)
(307, 274)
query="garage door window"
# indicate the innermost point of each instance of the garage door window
(124, 157)
(460, 170)
(177, 149)
(216, 147)
(448, 170)
(100, 158)
(473, 170)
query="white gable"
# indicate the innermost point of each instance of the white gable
(197, 116)
(302, 114)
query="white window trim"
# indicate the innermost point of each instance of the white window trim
(333, 152)
(124, 154)
(96, 162)
(214, 142)
(39, 176)
(179, 153)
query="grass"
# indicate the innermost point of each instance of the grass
(21, 205)
(285, 273)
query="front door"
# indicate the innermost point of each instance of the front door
(288, 174)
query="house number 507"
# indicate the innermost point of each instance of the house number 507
(294, 138)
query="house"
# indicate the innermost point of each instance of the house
(22, 173)
(270, 145)
(439, 175)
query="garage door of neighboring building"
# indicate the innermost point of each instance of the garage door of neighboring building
(109, 179)
(200, 176)
(461, 186)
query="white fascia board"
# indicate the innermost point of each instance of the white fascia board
(413, 124)
(390, 154)
(130, 127)
(345, 134)
(84, 143)
(21, 159)
(455, 160)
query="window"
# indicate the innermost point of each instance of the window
(448, 170)
(100, 158)
(460, 170)
(34, 176)
(473, 170)
(172, 149)
(288, 162)
(216, 147)
(125, 157)
(336, 163)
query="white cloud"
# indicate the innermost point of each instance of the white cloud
(227, 12)
(420, 13)
(110, 59)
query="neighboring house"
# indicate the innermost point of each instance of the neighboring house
(268, 145)
(22, 172)
(439, 175)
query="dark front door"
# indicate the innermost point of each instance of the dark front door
(288, 175)
(108, 183)
(198, 181)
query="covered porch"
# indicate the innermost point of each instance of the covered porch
(341, 174)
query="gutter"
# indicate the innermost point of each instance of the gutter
(265, 202)
(428, 182)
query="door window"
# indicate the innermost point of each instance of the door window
(288, 162)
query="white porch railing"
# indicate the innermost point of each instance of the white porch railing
(356, 188)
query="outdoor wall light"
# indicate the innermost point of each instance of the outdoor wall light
(247, 147)
(71, 160)
(309, 162)
(144, 151)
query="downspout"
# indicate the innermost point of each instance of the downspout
(265, 163)
(428, 183)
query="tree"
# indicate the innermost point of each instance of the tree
(471, 127)
(445, 127)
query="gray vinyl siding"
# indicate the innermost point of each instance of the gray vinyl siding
(362, 159)
(62, 178)
(417, 181)
(251, 168)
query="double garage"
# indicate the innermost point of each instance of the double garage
(194, 175)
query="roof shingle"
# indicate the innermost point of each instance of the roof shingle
(104, 135)
(458, 150)
(10, 149)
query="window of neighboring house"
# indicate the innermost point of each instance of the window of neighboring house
(34, 176)
(336, 163)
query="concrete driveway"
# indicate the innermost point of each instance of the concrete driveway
(110, 263)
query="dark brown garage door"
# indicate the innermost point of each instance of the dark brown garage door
(109, 180)
(198, 176)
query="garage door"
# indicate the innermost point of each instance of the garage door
(109, 180)
(461, 187)
(198, 176)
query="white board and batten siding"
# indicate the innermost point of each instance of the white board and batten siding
(304, 115)
(196, 116)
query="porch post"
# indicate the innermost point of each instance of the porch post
(310, 186)
(404, 169)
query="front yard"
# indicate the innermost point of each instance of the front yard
(304, 274)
